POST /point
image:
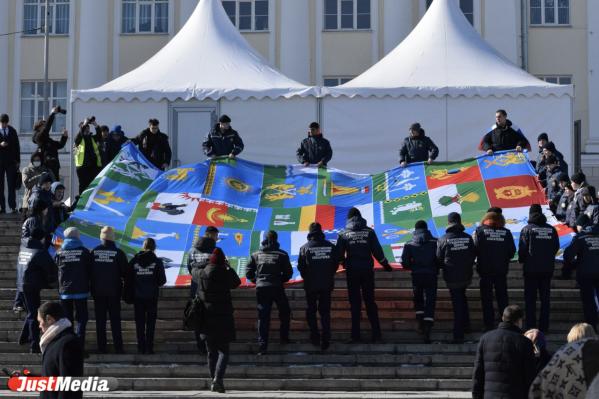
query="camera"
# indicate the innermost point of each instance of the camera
(60, 110)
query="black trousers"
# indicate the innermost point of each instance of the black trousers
(540, 283)
(193, 289)
(110, 305)
(8, 169)
(360, 285)
(86, 174)
(487, 284)
(146, 312)
(19, 300)
(218, 357)
(425, 295)
(31, 330)
(319, 301)
(589, 289)
(79, 317)
(461, 313)
(266, 296)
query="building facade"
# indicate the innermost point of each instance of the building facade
(317, 42)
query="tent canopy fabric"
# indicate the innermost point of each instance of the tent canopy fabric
(445, 56)
(207, 59)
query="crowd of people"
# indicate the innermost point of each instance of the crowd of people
(106, 274)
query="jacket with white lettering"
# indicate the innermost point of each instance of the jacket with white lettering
(145, 275)
(419, 255)
(494, 245)
(269, 267)
(357, 244)
(74, 263)
(456, 254)
(317, 263)
(539, 242)
(35, 267)
(108, 270)
(583, 253)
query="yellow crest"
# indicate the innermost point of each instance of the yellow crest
(237, 185)
(443, 174)
(179, 174)
(513, 192)
(510, 158)
(108, 198)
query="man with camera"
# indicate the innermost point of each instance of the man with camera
(10, 158)
(87, 153)
(47, 146)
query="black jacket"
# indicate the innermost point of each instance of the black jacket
(36, 269)
(495, 249)
(314, 149)
(554, 191)
(357, 244)
(63, 356)
(12, 152)
(74, 264)
(145, 275)
(110, 147)
(419, 255)
(576, 207)
(155, 147)
(199, 256)
(592, 211)
(47, 146)
(215, 283)
(219, 143)
(562, 207)
(108, 270)
(269, 267)
(317, 263)
(508, 138)
(583, 253)
(30, 224)
(456, 254)
(505, 364)
(538, 245)
(38, 193)
(418, 149)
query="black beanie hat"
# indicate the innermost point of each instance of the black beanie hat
(543, 136)
(421, 224)
(454, 218)
(495, 209)
(535, 208)
(583, 220)
(224, 119)
(578, 177)
(353, 212)
(416, 127)
(315, 228)
(314, 125)
(549, 146)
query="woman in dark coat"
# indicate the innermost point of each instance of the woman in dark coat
(215, 283)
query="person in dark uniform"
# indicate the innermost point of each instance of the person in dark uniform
(314, 149)
(10, 160)
(417, 147)
(115, 141)
(583, 255)
(145, 276)
(36, 270)
(223, 140)
(495, 249)
(154, 145)
(504, 135)
(198, 258)
(537, 247)
(215, 282)
(317, 263)
(564, 201)
(74, 263)
(591, 206)
(456, 254)
(419, 256)
(62, 353)
(576, 206)
(270, 268)
(47, 147)
(356, 245)
(108, 272)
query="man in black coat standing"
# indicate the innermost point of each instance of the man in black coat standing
(357, 244)
(314, 149)
(456, 254)
(108, 272)
(317, 263)
(47, 146)
(270, 268)
(154, 145)
(505, 360)
(10, 159)
(223, 140)
(62, 353)
(538, 244)
(503, 136)
(417, 147)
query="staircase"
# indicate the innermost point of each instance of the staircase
(401, 363)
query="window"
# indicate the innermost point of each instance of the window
(330, 81)
(467, 7)
(557, 79)
(248, 15)
(34, 14)
(32, 103)
(549, 12)
(346, 14)
(144, 16)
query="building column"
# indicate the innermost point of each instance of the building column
(92, 69)
(295, 40)
(592, 144)
(4, 57)
(397, 23)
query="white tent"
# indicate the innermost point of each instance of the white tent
(207, 69)
(447, 77)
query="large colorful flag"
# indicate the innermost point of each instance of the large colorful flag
(245, 199)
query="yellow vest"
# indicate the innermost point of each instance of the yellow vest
(80, 155)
